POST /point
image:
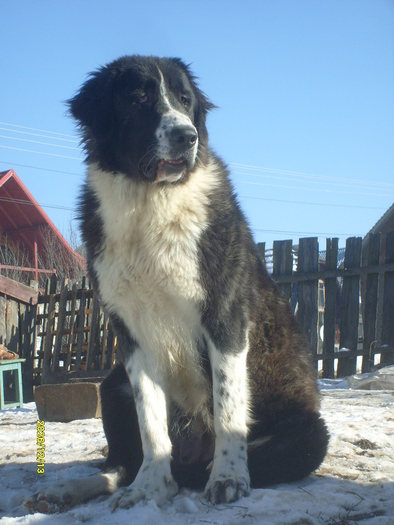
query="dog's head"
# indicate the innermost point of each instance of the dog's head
(144, 117)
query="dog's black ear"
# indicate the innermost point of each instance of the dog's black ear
(92, 106)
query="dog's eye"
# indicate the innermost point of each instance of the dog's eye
(185, 101)
(141, 98)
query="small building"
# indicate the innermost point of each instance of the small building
(29, 241)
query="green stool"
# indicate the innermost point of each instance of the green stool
(5, 366)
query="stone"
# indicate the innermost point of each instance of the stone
(68, 401)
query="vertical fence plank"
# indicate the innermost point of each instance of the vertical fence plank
(330, 286)
(371, 298)
(104, 341)
(81, 329)
(261, 250)
(388, 302)
(70, 340)
(48, 338)
(350, 312)
(283, 265)
(60, 327)
(307, 292)
(95, 326)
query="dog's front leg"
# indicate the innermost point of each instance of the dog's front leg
(154, 479)
(229, 479)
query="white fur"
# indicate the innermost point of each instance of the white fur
(148, 269)
(154, 479)
(148, 276)
(74, 491)
(171, 119)
(230, 398)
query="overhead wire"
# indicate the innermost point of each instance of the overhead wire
(246, 170)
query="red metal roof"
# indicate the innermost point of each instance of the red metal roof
(22, 218)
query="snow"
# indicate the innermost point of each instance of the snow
(354, 485)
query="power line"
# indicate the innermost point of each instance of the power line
(41, 153)
(36, 129)
(38, 142)
(304, 203)
(350, 183)
(29, 203)
(311, 189)
(284, 201)
(74, 141)
(39, 168)
(305, 175)
(309, 233)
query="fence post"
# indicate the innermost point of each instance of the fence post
(330, 286)
(28, 314)
(307, 291)
(350, 312)
(283, 265)
(370, 298)
(388, 302)
(60, 326)
(261, 250)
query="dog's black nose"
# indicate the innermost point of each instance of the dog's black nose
(183, 137)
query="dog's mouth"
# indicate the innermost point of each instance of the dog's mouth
(166, 170)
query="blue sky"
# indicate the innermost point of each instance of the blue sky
(304, 89)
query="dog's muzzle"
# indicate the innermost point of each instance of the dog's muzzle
(176, 153)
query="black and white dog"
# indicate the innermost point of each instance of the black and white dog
(215, 388)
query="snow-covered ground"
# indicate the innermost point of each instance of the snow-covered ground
(355, 484)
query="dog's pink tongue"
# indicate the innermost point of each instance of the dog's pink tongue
(161, 163)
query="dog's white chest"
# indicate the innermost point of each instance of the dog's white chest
(148, 269)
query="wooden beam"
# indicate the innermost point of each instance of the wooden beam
(18, 291)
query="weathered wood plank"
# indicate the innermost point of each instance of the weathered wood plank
(330, 286)
(261, 250)
(283, 265)
(95, 327)
(307, 292)
(60, 327)
(18, 291)
(27, 317)
(48, 339)
(388, 302)
(350, 302)
(104, 342)
(340, 272)
(371, 298)
(81, 333)
(70, 339)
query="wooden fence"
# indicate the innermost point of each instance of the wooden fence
(18, 304)
(347, 313)
(350, 308)
(74, 337)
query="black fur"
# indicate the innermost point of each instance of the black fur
(118, 110)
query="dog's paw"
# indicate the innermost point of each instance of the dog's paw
(145, 490)
(52, 499)
(227, 490)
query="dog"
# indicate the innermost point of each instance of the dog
(214, 386)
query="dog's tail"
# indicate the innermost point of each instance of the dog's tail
(294, 448)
